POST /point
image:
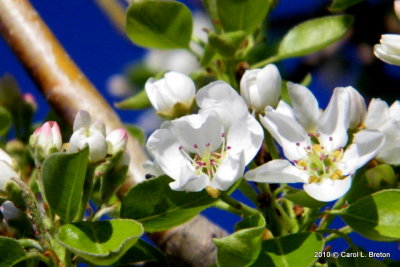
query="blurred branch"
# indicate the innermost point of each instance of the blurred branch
(68, 90)
(114, 11)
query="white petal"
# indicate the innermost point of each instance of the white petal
(152, 168)
(245, 135)
(189, 181)
(97, 146)
(196, 132)
(391, 43)
(365, 146)
(181, 86)
(390, 154)
(82, 119)
(6, 173)
(77, 140)
(277, 171)
(378, 114)
(5, 157)
(287, 132)
(305, 104)
(395, 110)
(163, 147)
(358, 108)
(386, 56)
(269, 83)
(229, 171)
(159, 94)
(334, 121)
(328, 190)
(285, 109)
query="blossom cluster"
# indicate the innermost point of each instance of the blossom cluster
(320, 148)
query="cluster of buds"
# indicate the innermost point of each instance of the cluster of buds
(45, 140)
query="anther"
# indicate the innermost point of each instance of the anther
(297, 144)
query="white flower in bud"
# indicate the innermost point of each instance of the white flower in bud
(172, 96)
(88, 133)
(30, 99)
(261, 87)
(46, 140)
(9, 211)
(389, 49)
(117, 141)
(6, 170)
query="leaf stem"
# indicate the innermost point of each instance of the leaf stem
(345, 230)
(87, 191)
(237, 205)
(265, 62)
(340, 233)
(248, 191)
(327, 218)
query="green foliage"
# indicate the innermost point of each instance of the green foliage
(136, 132)
(302, 198)
(63, 177)
(143, 252)
(291, 250)
(5, 120)
(339, 5)
(157, 207)
(226, 44)
(138, 101)
(241, 15)
(11, 252)
(159, 24)
(376, 216)
(313, 35)
(101, 242)
(242, 247)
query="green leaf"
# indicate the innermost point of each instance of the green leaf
(5, 120)
(242, 15)
(303, 199)
(226, 44)
(154, 204)
(313, 35)
(138, 101)
(63, 177)
(376, 217)
(101, 242)
(242, 247)
(339, 5)
(11, 252)
(291, 250)
(143, 252)
(159, 24)
(136, 132)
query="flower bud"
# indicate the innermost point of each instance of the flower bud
(389, 49)
(30, 100)
(116, 141)
(45, 140)
(6, 170)
(88, 133)
(173, 96)
(261, 87)
(358, 108)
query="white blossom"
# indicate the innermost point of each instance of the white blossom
(172, 96)
(90, 134)
(261, 87)
(117, 141)
(207, 149)
(318, 158)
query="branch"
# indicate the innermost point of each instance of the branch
(68, 90)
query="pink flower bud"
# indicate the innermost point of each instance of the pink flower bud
(46, 140)
(30, 99)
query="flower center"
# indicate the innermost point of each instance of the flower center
(321, 164)
(208, 161)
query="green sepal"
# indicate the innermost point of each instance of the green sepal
(138, 101)
(178, 110)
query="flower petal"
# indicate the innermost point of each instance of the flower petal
(305, 104)
(395, 110)
(277, 171)
(230, 170)
(365, 146)
(190, 182)
(334, 121)
(198, 132)
(285, 109)
(163, 147)
(358, 108)
(6, 173)
(328, 190)
(378, 114)
(245, 135)
(385, 56)
(287, 132)
(82, 119)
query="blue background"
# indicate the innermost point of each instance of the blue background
(101, 51)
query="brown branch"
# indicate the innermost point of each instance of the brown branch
(68, 90)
